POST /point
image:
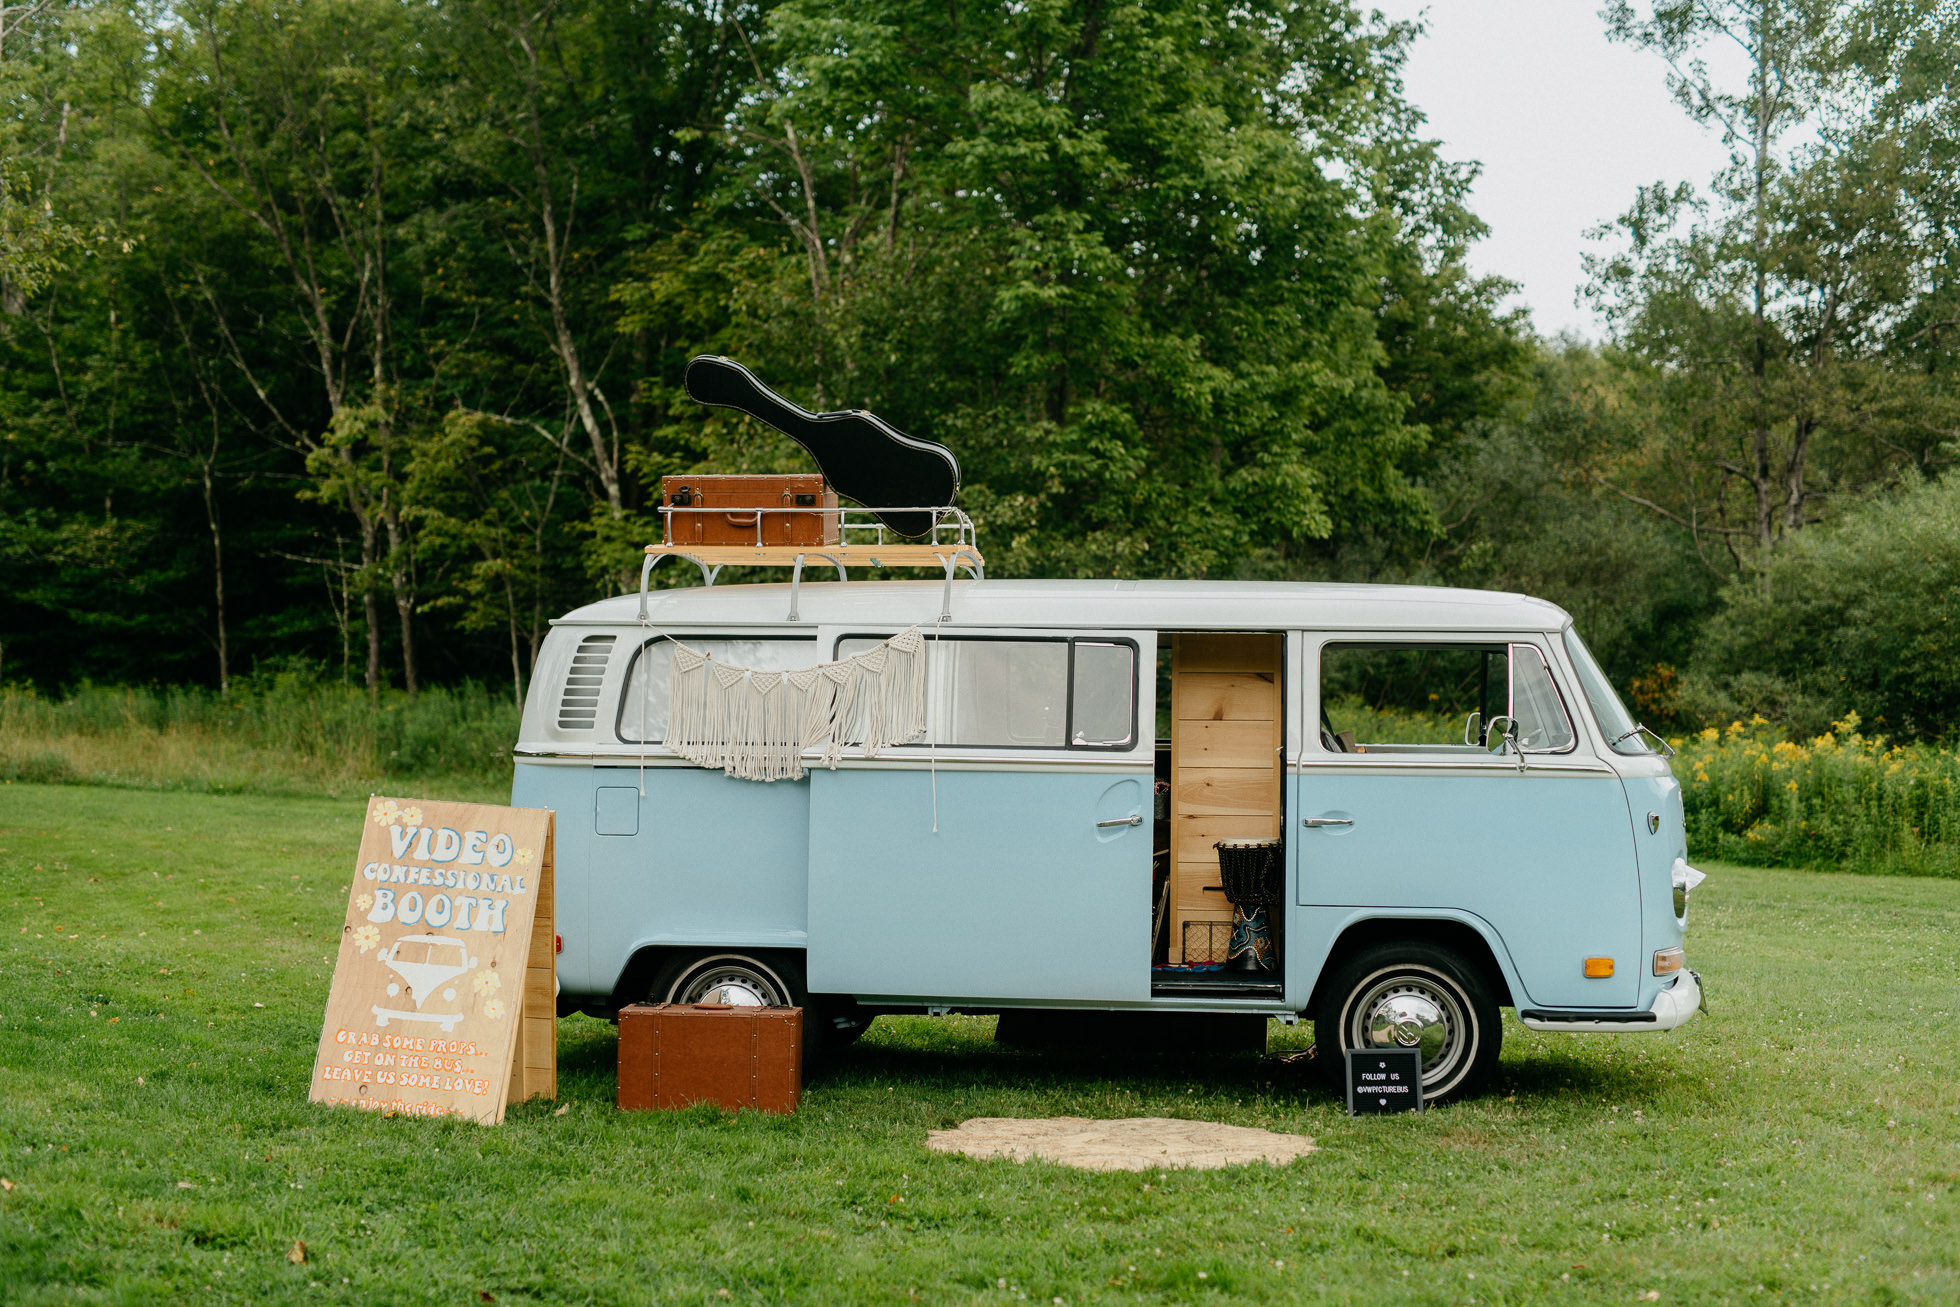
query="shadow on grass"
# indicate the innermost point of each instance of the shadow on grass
(939, 1055)
(958, 1054)
(1549, 1077)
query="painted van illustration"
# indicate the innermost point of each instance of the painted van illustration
(424, 963)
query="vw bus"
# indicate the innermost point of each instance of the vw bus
(1467, 817)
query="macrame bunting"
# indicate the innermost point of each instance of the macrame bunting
(755, 726)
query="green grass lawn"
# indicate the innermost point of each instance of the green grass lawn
(1801, 1143)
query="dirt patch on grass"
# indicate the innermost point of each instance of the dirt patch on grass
(1137, 1143)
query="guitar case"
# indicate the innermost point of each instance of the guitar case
(863, 457)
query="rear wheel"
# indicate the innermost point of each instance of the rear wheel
(1411, 994)
(830, 1022)
(731, 978)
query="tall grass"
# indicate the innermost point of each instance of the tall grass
(1391, 725)
(273, 735)
(1843, 800)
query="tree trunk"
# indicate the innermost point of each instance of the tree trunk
(371, 611)
(218, 577)
(605, 453)
(516, 664)
(402, 581)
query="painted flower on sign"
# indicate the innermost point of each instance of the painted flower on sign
(386, 813)
(366, 937)
(487, 983)
(411, 816)
(494, 1009)
(523, 857)
(364, 902)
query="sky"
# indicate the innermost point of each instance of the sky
(1566, 125)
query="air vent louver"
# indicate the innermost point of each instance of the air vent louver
(578, 710)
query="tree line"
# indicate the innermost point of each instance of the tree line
(347, 335)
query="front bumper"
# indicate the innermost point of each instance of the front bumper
(1672, 1009)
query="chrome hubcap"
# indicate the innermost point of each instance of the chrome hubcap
(1408, 1021)
(1404, 1011)
(733, 986)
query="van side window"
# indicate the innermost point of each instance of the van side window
(1542, 724)
(1437, 699)
(991, 693)
(643, 706)
(1102, 694)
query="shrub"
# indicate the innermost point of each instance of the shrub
(1861, 616)
(275, 735)
(1843, 800)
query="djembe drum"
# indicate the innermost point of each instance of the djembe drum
(1249, 871)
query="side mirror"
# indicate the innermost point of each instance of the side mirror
(1502, 738)
(1473, 729)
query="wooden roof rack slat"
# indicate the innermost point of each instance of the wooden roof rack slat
(949, 554)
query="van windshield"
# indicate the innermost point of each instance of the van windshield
(1612, 715)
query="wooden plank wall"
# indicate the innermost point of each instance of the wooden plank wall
(1226, 762)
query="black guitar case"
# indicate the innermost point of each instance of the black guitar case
(862, 456)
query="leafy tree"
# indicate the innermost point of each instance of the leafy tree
(1769, 309)
(1105, 252)
(1862, 616)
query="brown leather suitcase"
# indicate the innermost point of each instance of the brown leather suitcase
(722, 510)
(674, 1054)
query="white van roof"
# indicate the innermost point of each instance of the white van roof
(1167, 605)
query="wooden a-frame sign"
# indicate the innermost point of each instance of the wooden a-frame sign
(444, 999)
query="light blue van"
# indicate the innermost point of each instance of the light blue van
(1469, 818)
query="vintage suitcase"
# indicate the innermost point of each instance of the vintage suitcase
(673, 1054)
(721, 510)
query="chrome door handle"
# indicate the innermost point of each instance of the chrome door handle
(1134, 819)
(1327, 821)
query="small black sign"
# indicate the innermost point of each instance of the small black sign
(1384, 1080)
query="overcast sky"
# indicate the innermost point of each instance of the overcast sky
(1566, 125)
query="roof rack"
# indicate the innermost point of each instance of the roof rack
(862, 540)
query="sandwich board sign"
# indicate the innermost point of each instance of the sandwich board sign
(444, 999)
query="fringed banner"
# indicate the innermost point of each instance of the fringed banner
(756, 726)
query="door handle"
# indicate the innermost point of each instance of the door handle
(1134, 819)
(1327, 821)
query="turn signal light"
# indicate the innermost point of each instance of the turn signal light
(1599, 968)
(1667, 961)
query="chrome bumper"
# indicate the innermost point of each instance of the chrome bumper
(1672, 1008)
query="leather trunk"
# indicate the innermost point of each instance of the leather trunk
(747, 510)
(674, 1054)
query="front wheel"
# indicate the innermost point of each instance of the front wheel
(1411, 994)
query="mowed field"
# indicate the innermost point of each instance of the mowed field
(164, 966)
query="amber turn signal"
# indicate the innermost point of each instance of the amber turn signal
(1598, 968)
(1667, 961)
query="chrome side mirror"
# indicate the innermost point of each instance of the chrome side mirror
(1473, 729)
(1503, 734)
